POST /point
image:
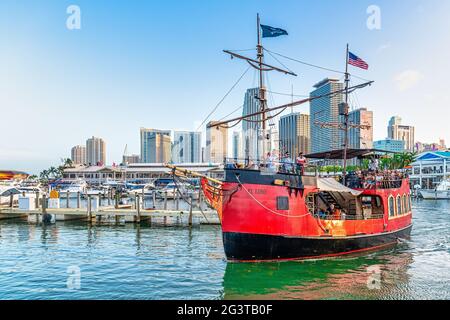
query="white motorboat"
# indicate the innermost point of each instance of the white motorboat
(69, 187)
(442, 192)
(146, 189)
(6, 191)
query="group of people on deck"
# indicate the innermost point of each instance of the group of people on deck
(287, 165)
(374, 178)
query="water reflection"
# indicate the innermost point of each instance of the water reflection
(380, 275)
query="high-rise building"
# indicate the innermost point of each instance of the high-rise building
(326, 110)
(216, 143)
(95, 151)
(397, 131)
(294, 132)
(390, 145)
(251, 130)
(78, 155)
(361, 138)
(187, 147)
(237, 145)
(155, 146)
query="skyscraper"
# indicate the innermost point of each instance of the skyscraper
(95, 151)
(237, 145)
(323, 110)
(155, 146)
(361, 138)
(397, 131)
(251, 129)
(216, 143)
(294, 132)
(187, 147)
(78, 155)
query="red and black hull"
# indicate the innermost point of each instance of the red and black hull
(265, 220)
(257, 247)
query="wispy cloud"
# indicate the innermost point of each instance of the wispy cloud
(383, 47)
(407, 79)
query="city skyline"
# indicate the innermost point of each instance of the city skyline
(77, 75)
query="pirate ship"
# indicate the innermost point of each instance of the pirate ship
(279, 215)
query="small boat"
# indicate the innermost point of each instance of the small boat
(69, 187)
(6, 192)
(442, 192)
(146, 189)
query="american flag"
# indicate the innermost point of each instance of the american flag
(357, 62)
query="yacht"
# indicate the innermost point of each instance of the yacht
(442, 192)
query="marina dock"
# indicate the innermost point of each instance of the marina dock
(165, 212)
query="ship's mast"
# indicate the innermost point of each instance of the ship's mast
(262, 90)
(346, 110)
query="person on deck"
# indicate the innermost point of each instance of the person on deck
(301, 163)
(286, 162)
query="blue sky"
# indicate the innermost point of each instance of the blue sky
(159, 64)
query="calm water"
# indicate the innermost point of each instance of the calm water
(131, 262)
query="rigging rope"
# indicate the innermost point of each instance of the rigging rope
(226, 95)
(313, 65)
(268, 209)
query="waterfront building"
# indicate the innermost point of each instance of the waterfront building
(294, 133)
(142, 171)
(155, 145)
(216, 143)
(398, 131)
(430, 168)
(251, 129)
(130, 159)
(390, 145)
(186, 147)
(78, 155)
(326, 110)
(361, 138)
(95, 151)
(237, 145)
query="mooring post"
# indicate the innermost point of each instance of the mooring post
(36, 201)
(116, 200)
(109, 197)
(190, 211)
(154, 199)
(78, 200)
(89, 207)
(165, 200)
(200, 199)
(11, 200)
(138, 208)
(44, 208)
(177, 201)
(67, 199)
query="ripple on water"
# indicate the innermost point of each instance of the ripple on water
(130, 262)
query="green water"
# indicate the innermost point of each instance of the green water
(77, 261)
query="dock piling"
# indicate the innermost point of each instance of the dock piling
(165, 200)
(190, 211)
(67, 199)
(36, 201)
(138, 209)
(154, 199)
(78, 200)
(11, 200)
(177, 201)
(89, 208)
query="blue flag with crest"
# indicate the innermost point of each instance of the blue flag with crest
(270, 32)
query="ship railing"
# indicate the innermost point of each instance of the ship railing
(349, 217)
